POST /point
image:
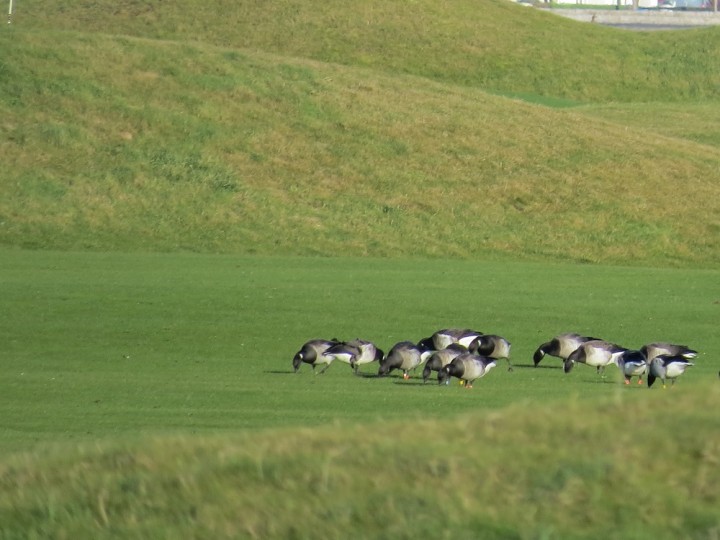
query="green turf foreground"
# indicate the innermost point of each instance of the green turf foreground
(153, 396)
(639, 466)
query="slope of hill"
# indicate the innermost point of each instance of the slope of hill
(123, 143)
(493, 44)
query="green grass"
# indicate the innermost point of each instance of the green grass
(167, 146)
(112, 345)
(493, 44)
(289, 129)
(680, 122)
(153, 395)
(506, 474)
(189, 191)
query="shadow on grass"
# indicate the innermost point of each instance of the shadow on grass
(317, 372)
(539, 366)
(414, 382)
(367, 375)
(605, 381)
(291, 372)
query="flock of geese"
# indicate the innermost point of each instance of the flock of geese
(469, 355)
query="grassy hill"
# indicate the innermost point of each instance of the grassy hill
(122, 143)
(491, 44)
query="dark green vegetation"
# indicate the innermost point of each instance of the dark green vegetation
(366, 169)
(289, 128)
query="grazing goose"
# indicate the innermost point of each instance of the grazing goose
(312, 353)
(467, 367)
(560, 346)
(492, 346)
(667, 367)
(440, 359)
(653, 350)
(596, 353)
(405, 356)
(442, 338)
(355, 352)
(632, 364)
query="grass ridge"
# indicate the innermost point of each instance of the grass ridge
(514, 472)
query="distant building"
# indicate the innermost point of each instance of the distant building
(643, 4)
(624, 3)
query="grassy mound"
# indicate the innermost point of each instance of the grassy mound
(635, 467)
(118, 143)
(494, 44)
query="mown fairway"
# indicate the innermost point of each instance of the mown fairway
(153, 395)
(190, 190)
(116, 345)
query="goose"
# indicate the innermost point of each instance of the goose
(467, 367)
(597, 353)
(312, 353)
(355, 352)
(492, 346)
(560, 346)
(667, 367)
(652, 350)
(632, 364)
(405, 356)
(441, 358)
(442, 338)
